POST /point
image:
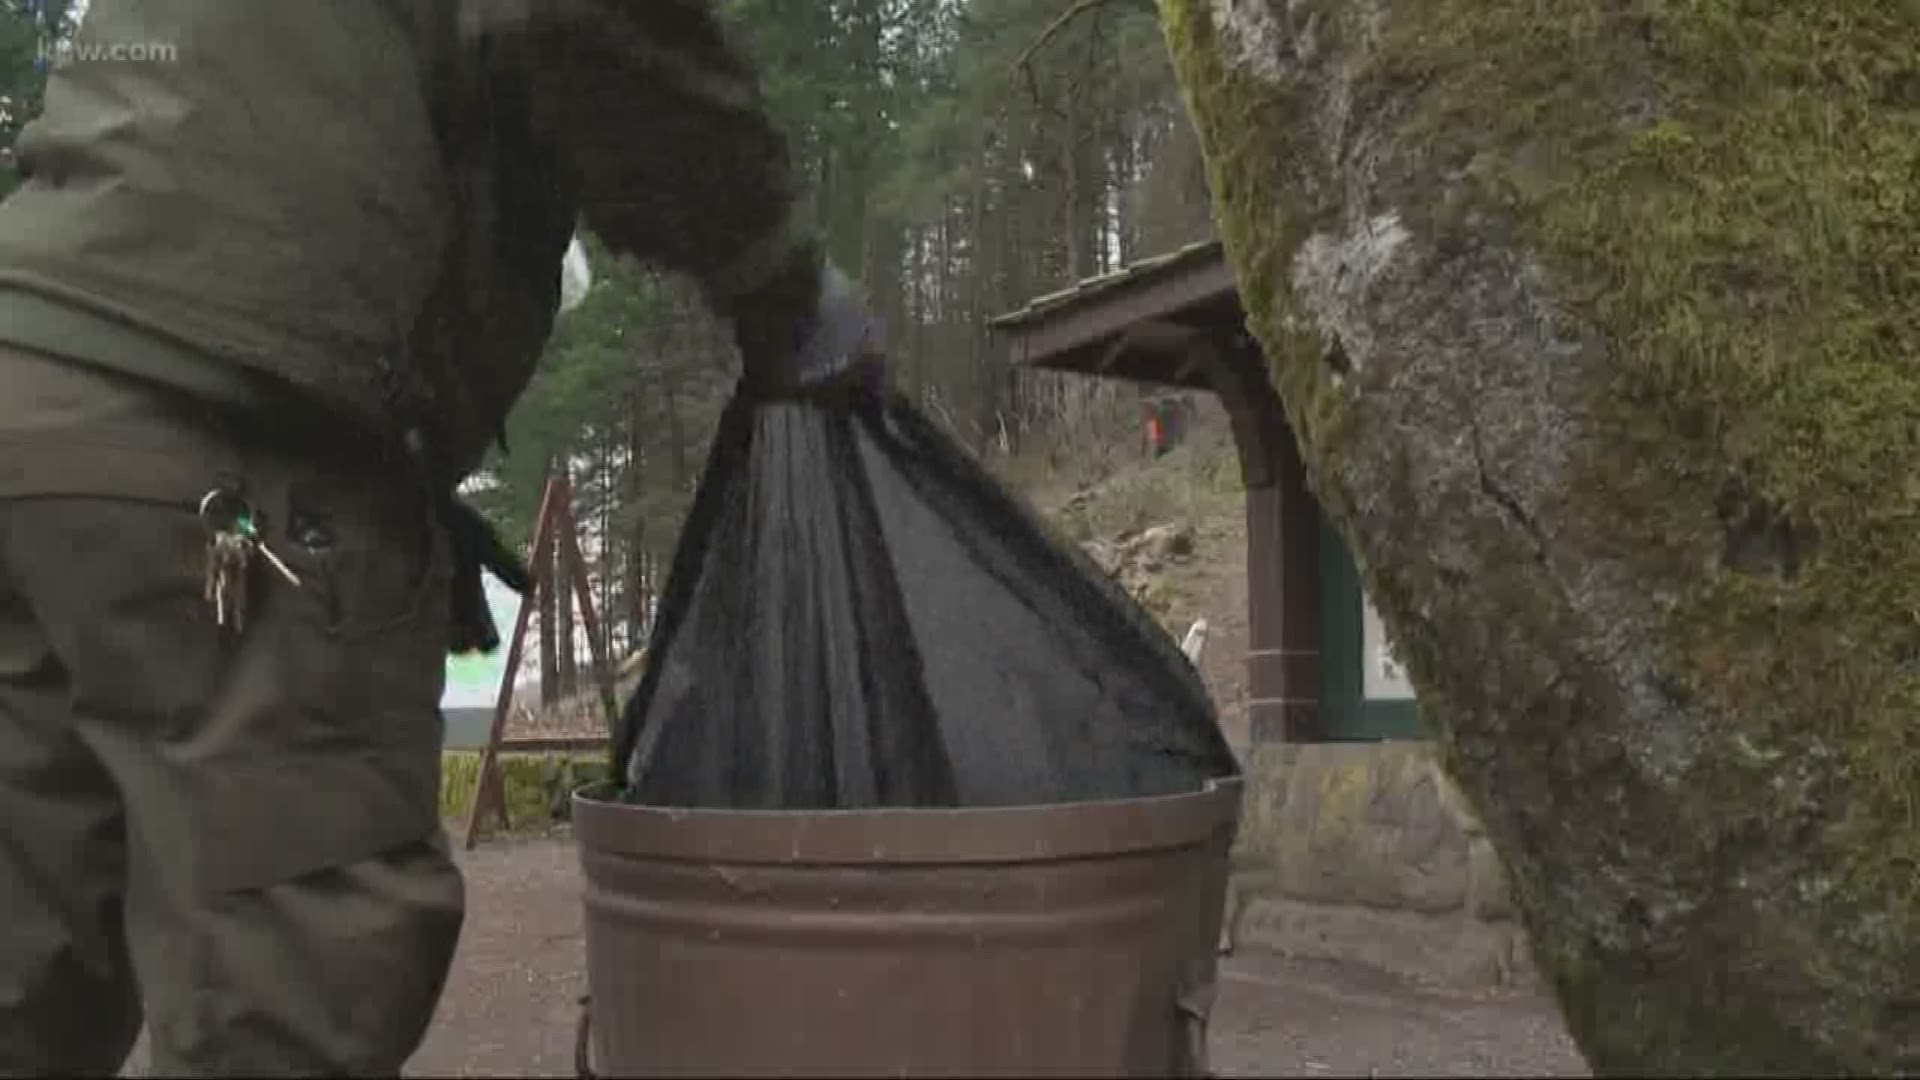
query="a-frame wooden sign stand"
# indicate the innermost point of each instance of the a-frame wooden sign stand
(554, 526)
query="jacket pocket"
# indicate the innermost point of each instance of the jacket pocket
(370, 556)
(362, 638)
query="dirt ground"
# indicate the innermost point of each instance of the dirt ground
(512, 1005)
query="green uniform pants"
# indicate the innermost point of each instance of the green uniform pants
(234, 835)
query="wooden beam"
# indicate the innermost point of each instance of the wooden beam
(1204, 353)
(555, 744)
(1110, 312)
(1160, 337)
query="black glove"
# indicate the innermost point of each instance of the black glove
(476, 547)
(835, 347)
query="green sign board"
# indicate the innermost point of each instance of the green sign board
(473, 681)
(1364, 694)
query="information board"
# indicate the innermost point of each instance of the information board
(1385, 680)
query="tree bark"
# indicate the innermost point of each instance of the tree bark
(607, 544)
(1595, 323)
(635, 477)
(676, 440)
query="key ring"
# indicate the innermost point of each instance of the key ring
(241, 511)
(239, 522)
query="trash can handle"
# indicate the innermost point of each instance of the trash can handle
(1195, 1007)
(583, 1043)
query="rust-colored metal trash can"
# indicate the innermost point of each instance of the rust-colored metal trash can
(1067, 940)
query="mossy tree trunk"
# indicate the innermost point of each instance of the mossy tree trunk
(1599, 324)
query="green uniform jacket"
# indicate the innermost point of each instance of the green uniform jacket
(363, 204)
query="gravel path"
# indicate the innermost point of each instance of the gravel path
(1280, 1017)
(512, 1004)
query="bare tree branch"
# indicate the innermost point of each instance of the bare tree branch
(1024, 65)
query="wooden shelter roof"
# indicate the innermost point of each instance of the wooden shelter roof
(1138, 322)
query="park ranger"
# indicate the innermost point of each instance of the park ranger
(266, 295)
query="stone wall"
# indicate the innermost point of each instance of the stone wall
(1365, 852)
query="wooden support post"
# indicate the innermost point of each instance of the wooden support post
(1283, 552)
(554, 534)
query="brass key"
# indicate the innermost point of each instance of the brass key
(228, 556)
(233, 535)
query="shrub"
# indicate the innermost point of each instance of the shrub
(538, 785)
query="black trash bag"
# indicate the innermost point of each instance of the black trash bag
(858, 616)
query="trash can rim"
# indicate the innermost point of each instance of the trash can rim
(893, 836)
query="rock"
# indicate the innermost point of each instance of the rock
(1489, 896)
(1164, 542)
(1363, 824)
(1135, 559)
(1101, 555)
(1595, 326)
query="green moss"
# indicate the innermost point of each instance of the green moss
(1728, 193)
(1751, 254)
(535, 783)
(1240, 120)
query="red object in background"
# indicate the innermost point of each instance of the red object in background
(1156, 435)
